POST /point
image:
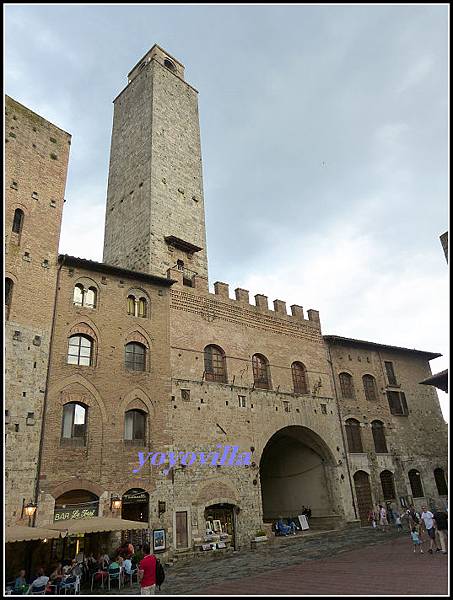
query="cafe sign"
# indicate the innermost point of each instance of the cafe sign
(135, 496)
(65, 514)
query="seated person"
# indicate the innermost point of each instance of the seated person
(57, 575)
(285, 529)
(128, 566)
(20, 585)
(40, 581)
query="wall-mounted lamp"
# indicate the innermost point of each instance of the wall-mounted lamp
(115, 502)
(161, 508)
(29, 510)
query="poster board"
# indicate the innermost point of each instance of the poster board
(303, 522)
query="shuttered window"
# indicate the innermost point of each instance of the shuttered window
(353, 436)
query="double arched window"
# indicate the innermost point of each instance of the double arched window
(80, 350)
(300, 382)
(215, 364)
(18, 221)
(135, 356)
(137, 306)
(416, 483)
(74, 423)
(369, 386)
(135, 426)
(388, 485)
(261, 374)
(85, 296)
(380, 444)
(346, 385)
(353, 435)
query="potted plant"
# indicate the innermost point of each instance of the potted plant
(260, 536)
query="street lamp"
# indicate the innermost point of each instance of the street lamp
(29, 509)
(116, 502)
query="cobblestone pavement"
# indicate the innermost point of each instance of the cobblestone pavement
(360, 561)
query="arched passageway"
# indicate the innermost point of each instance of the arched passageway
(296, 471)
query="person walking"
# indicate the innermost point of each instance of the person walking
(372, 518)
(383, 517)
(427, 519)
(415, 536)
(147, 572)
(441, 524)
(398, 523)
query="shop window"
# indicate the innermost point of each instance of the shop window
(214, 364)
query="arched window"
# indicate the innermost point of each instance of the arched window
(78, 295)
(135, 426)
(388, 485)
(80, 350)
(347, 388)
(74, 423)
(300, 382)
(416, 483)
(369, 385)
(353, 435)
(135, 356)
(214, 364)
(85, 296)
(137, 307)
(90, 297)
(441, 484)
(8, 295)
(261, 372)
(380, 444)
(18, 221)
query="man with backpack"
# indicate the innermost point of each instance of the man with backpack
(150, 572)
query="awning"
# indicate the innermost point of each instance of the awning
(21, 533)
(97, 524)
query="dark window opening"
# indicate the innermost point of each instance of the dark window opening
(214, 364)
(353, 435)
(391, 377)
(416, 483)
(299, 374)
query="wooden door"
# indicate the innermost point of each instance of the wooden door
(363, 495)
(181, 530)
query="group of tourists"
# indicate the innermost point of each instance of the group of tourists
(149, 570)
(424, 526)
(290, 527)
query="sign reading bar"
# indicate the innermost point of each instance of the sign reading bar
(64, 514)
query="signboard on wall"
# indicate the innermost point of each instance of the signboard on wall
(68, 514)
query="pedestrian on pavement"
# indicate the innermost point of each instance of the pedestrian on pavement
(441, 524)
(147, 572)
(372, 518)
(415, 536)
(427, 519)
(383, 518)
(398, 524)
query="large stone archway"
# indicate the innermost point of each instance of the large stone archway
(296, 470)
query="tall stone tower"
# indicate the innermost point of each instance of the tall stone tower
(36, 163)
(155, 209)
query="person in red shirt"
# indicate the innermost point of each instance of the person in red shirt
(147, 572)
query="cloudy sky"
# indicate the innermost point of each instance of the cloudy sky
(324, 140)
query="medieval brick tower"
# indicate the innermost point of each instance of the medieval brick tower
(155, 211)
(36, 163)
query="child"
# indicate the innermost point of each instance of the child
(416, 539)
(398, 522)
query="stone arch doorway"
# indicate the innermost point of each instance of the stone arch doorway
(363, 495)
(296, 470)
(135, 507)
(225, 516)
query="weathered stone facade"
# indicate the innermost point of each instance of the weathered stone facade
(274, 390)
(36, 162)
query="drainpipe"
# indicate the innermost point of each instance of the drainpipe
(41, 441)
(329, 360)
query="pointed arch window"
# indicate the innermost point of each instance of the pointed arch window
(18, 221)
(135, 356)
(380, 444)
(214, 364)
(300, 382)
(261, 375)
(80, 350)
(8, 295)
(353, 435)
(369, 386)
(137, 306)
(416, 483)
(74, 424)
(346, 385)
(441, 484)
(135, 426)
(85, 296)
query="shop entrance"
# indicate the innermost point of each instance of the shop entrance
(135, 507)
(224, 513)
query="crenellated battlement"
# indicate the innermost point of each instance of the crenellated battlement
(199, 285)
